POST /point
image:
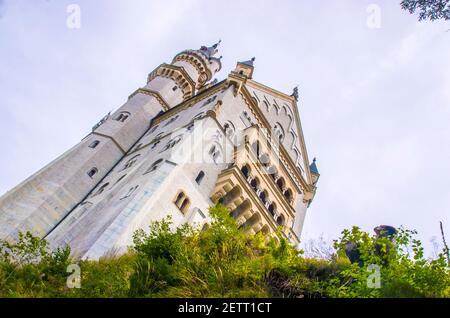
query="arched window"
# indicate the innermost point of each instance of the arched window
(122, 116)
(254, 183)
(101, 189)
(288, 195)
(263, 196)
(185, 205)
(264, 160)
(92, 172)
(229, 129)
(138, 146)
(245, 171)
(94, 144)
(214, 152)
(152, 130)
(272, 209)
(155, 144)
(120, 179)
(256, 148)
(190, 126)
(246, 119)
(280, 220)
(171, 120)
(179, 198)
(130, 162)
(182, 202)
(209, 100)
(278, 132)
(197, 116)
(172, 143)
(130, 192)
(200, 176)
(281, 184)
(154, 166)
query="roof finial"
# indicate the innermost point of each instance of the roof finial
(295, 93)
(217, 44)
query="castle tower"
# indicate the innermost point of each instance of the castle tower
(177, 146)
(39, 203)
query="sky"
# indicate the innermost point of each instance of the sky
(374, 86)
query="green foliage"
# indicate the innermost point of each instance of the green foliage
(428, 9)
(222, 260)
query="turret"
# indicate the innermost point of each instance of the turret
(245, 68)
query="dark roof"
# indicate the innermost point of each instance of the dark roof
(249, 62)
(313, 167)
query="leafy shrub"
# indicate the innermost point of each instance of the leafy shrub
(224, 261)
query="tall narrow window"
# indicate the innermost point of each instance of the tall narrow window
(130, 192)
(154, 166)
(200, 176)
(171, 120)
(245, 171)
(120, 179)
(130, 162)
(214, 152)
(92, 172)
(155, 144)
(122, 116)
(94, 144)
(182, 202)
(101, 189)
(152, 130)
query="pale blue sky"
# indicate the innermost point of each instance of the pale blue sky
(374, 103)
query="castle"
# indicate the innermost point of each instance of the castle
(180, 144)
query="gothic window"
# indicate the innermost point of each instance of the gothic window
(229, 129)
(272, 208)
(245, 171)
(130, 192)
(152, 130)
(138, 146)
(182, 202)
(288, 195)
(155, 144)
(154, 166)
(122, 116)
(209, 100)
(92, 172)
(264, 160)
(281, 183)
(256, 148)
(171, 120)
(263, 196)
(185, 205)
(172, 143)
(101, 189)
(200, 176)
(278, 132)
(190, 126)
(280, 220)
(246, 119)
(214, 152)
(94, 144)
(254, 183)
(120, 179)
(130, 162)
(197, 116)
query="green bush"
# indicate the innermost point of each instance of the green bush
(222, 260)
